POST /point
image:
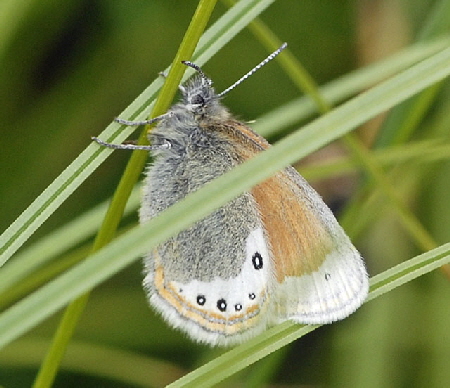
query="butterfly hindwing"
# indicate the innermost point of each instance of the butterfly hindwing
(320, 275)
(221, 310)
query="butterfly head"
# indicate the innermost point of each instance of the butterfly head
(200, 98)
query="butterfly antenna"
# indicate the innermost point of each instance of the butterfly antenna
(198, 70)
(257, 67)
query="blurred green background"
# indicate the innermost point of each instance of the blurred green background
(68, 68)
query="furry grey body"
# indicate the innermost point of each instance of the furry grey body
(197, 155)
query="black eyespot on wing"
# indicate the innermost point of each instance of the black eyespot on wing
(238, 307)
(257, 260)
(327, 276)
(252, 296)
(201, 300)
(222, 305)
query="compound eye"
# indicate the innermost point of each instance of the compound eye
(198, 100)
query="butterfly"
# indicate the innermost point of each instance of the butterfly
(272, 254)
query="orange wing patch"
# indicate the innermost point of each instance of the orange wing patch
(298, 239)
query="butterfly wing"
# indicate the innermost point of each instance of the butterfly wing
(220, 311)
(213, 279)
(320, 275)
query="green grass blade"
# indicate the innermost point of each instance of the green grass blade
(283, 334)
(58, 242)
(405, 119)
(86, 163)
(121, 365)
(347, 86)
(72, 314)
(135, 243)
